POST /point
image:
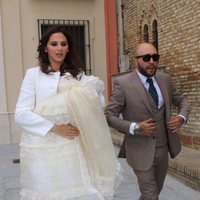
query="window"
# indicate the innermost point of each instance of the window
(155, 34)
(145, 33)
(79, 31)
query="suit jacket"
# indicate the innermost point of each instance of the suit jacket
(130, 99)
(35, 88)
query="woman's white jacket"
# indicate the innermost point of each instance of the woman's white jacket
(36, 87)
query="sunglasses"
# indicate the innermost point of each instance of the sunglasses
(147, 57)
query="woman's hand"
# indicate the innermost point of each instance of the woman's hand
(66, 130)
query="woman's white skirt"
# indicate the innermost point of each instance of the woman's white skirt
(51, 171)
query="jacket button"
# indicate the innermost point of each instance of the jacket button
(154, 137)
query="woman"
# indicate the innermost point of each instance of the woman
(66, 149)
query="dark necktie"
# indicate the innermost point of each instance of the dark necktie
(152, 90)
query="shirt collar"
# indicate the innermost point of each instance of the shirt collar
(144, 78)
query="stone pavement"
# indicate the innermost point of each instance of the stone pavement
(128, 190)
(9, 172)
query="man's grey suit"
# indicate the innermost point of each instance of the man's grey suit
(131, 99)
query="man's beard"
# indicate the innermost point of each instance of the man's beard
(144, 71)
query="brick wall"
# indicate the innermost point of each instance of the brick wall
(178, 44)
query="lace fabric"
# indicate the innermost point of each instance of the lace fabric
(76, 194)
(55, 168)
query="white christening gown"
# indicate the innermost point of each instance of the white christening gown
(57, 168)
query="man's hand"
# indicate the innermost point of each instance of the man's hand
(147, 127)
(175, 123)
(66, 130)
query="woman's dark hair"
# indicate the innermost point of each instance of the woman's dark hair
(71, 63)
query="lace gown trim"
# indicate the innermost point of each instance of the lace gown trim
(53, 168)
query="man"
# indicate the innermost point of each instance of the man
(144, 98)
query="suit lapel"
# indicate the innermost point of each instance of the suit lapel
(140, 89)
(164, 92)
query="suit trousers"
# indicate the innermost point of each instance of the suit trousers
(151, 181)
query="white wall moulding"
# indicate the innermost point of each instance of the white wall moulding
(3, 105)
